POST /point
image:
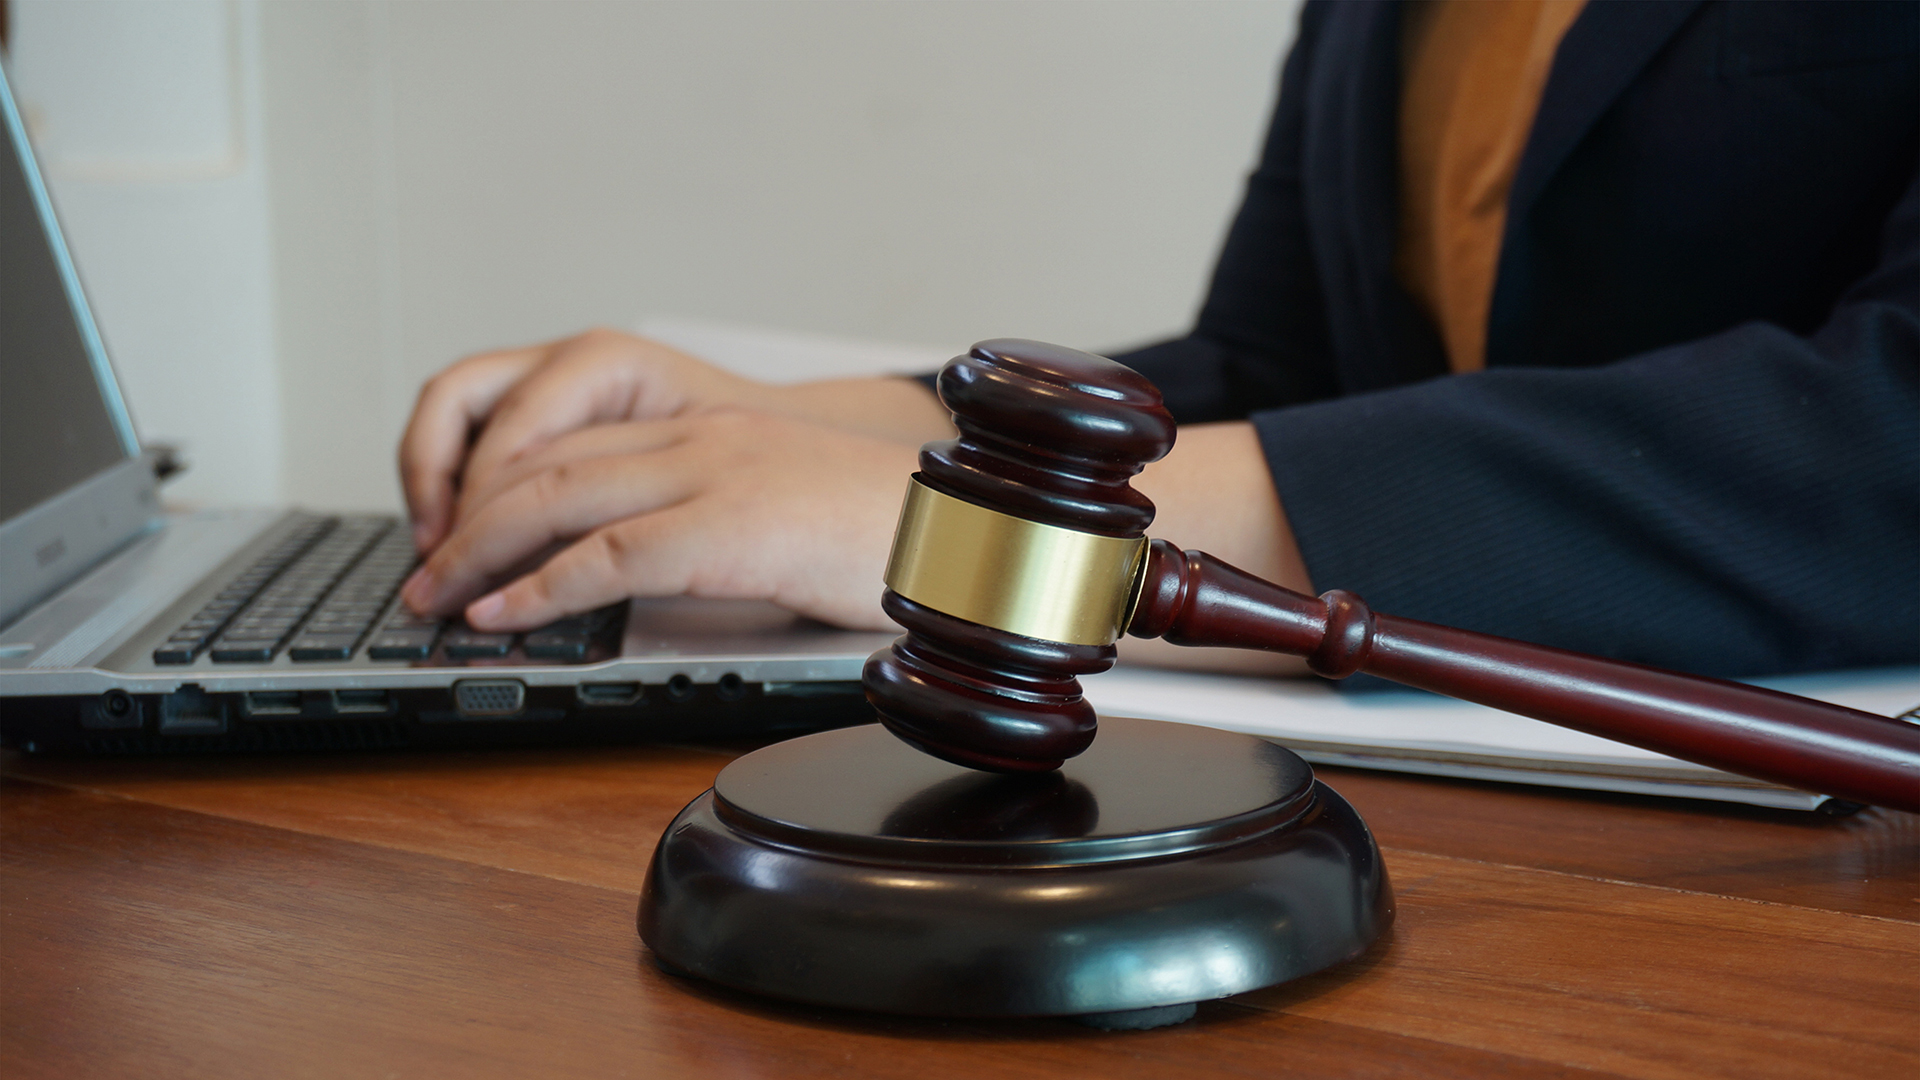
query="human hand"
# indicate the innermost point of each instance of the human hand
(724, 503)
(489, 410)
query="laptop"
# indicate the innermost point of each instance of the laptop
(126, 629)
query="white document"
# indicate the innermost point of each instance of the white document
(1413, 731)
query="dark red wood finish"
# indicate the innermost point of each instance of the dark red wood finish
(1047, 434)
(981, 697)
(1191, 598)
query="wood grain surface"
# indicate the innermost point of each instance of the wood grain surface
(472, 914)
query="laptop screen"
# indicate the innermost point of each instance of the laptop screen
(61, 420)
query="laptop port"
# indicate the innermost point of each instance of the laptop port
(731, 687)
(489, 697)
(680, 688)
(190, 710)
(113, 710)
(362, 702)
(608, 693)
(273, 703)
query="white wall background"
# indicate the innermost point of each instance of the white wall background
(147, 123)
(290, 213)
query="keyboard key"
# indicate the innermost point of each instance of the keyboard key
(464, 644)
(174, 654)
(244, 650)
(402, 645)
(309, 647)
(548, 644)
(276, 607)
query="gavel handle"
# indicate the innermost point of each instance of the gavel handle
(1191, 598)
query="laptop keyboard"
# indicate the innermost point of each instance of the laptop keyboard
(320, 592)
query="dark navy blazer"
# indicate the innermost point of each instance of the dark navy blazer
(1697, 443)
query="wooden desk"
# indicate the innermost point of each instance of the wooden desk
(472, 915)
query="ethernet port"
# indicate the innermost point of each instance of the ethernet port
(190, 710)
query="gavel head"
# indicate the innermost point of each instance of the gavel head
(1019, 550)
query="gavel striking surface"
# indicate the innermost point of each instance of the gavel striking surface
(1166, 865)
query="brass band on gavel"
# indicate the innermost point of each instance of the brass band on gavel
(1004, 572)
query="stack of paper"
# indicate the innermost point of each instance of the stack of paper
(1412, 731)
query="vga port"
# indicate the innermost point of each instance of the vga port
(489, 697)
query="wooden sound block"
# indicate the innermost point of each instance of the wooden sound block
(1167, 865)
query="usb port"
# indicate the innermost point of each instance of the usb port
(273, 703)
(608, 693)
(362, 702)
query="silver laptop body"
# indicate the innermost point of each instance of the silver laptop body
(124, 629)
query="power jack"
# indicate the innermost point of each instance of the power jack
(115, 710)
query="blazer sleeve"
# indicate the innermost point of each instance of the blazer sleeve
(1262, 339)
(1742, 504)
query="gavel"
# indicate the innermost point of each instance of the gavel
(1022, 556)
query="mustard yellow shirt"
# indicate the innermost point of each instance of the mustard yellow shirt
(1472, 75)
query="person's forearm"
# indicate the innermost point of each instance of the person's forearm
(1213, 493)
